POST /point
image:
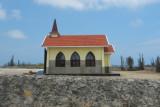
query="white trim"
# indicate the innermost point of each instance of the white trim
(114, 49)
(107, 39)
(43, 41)
(110, 44)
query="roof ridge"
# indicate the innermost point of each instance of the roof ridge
(84, 35)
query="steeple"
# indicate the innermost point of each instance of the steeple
(54, 32)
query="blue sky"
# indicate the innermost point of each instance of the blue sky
(132, 26)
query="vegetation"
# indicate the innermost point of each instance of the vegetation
(122, 63)
(152, 63)
(141, 62)
(12, 64)
(158, 64)
(130, 62)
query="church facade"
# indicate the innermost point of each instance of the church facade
(76, 54)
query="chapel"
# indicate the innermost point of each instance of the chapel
(76, 54)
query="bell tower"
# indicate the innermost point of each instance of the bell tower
(54, 32)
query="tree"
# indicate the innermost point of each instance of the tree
(122, 63)
(130, 63)
(152, 62)
(11, 62)
(141, 62)
(158, 64)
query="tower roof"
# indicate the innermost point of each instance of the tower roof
(54, 30)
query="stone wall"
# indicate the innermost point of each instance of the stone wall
(70, 91)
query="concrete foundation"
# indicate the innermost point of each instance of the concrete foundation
(83, 69)
(107, 69)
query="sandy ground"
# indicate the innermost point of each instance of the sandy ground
(124, 74)
(15, 71)
(139, 74)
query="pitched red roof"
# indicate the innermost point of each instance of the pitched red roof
(77, 40)
(109, 48)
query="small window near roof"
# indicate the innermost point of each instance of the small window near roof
(90, 60)
(75, 60)
(60, 60)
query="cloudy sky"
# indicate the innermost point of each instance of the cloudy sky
(132, 26)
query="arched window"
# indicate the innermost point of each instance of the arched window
(90, 59)
(60, 60)
(75, 60)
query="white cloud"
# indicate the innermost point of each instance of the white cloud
(97, 4)
(130, 3)
(16, 34)
(75, 4)
(136, 23)
(3, 13)
(9, 14)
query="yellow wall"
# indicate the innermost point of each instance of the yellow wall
(107, 59)
(82, 51)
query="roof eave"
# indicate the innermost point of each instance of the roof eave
(75, 46)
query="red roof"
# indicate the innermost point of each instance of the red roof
(109, 48)
(78, 40)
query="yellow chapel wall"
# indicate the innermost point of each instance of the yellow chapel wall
(82, 51)
(107, 60)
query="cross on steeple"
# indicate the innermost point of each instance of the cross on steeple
(54, 32)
